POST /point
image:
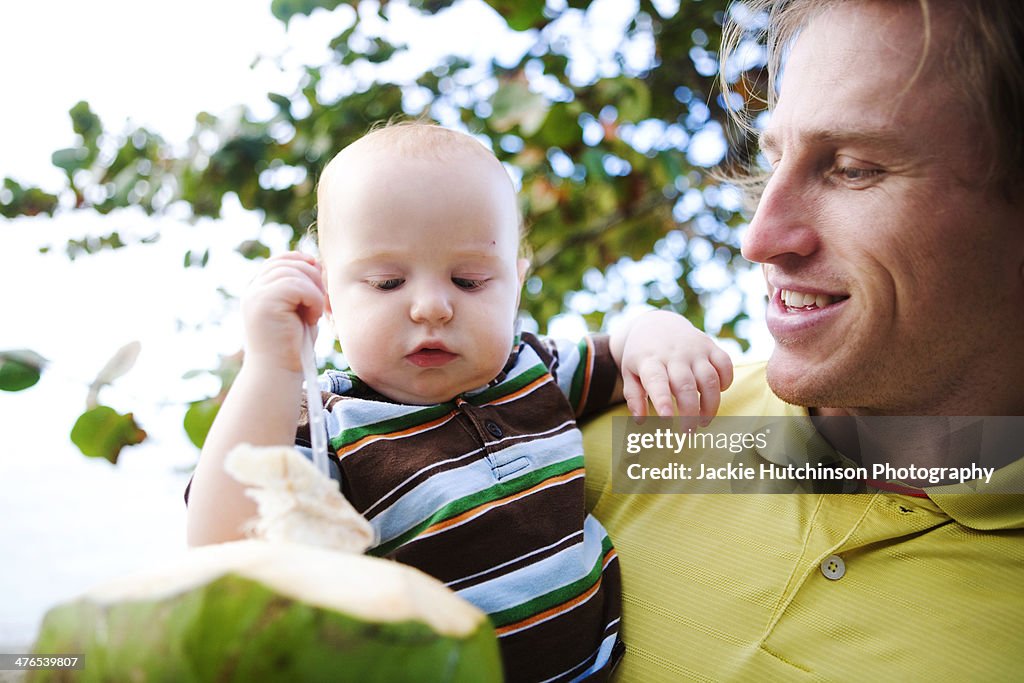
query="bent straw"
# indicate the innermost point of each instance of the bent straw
(314, 403)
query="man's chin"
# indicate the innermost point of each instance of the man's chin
(791, 381)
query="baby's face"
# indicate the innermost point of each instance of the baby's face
(423, 278)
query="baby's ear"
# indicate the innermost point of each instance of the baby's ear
(522, 266)
(327, 297)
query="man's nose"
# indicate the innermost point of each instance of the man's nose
(783, 224)
(431, 304)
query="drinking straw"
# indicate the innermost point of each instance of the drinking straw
(314, 403)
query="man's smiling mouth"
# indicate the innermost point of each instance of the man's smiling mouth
(804, 301)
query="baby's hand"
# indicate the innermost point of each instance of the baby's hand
(287, 295)
(663, 357)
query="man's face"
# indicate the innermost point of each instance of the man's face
(895, 278)
(421, 272)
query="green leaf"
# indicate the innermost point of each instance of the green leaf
(199, 419)
(93, 245)
(561, 126)
(85, 122)
(20, 369)
(16, 200)
(197, 260)
(253, 249)
(102, 432)
(71, 159)
(631, 97)
(514, 104)
(521, 15)
(283, 103)
(284, 10)
(430, 6)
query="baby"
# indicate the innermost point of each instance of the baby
(454, 435)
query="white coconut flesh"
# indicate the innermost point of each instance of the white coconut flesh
(368, 588)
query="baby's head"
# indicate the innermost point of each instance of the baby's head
(419, 239)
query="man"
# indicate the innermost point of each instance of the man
(891, 233)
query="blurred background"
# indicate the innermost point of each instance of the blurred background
(153, 154)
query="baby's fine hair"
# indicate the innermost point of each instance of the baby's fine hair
(422, 139)
(412, 139)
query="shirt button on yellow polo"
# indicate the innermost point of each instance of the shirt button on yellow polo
(833, 567)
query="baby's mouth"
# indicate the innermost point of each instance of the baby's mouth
(793, 300)
(428, 357)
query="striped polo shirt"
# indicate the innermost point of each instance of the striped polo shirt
(486, 493)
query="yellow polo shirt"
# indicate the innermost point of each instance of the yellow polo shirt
(792, 587)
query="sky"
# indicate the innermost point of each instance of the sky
(66, 521)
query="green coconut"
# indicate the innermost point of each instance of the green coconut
(260, 611)
(300, 603)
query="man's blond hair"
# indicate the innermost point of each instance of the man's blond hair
(983, 55)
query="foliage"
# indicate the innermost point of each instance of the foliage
(200, 414)
(102, 432)
(602, 140)
(20, 369)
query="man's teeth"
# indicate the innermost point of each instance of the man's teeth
(803, 300)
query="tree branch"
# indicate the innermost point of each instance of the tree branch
(647, 204)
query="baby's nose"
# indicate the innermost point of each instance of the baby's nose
(431, 304)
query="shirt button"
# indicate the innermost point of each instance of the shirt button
(494, 429)
(833, 567)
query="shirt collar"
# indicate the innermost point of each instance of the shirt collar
(997, 504)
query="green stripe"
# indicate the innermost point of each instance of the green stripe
(542, 603)
(509, 386)
(395, 424)
(479, 498)
(576, 390)
(429, 413)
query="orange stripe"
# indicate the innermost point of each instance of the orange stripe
(589, 370)
(480, 509)
(394, 435)
(551, 612)
(525, 390)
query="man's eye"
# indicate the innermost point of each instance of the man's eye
(467, 284)
(390, 283)
(854, 173)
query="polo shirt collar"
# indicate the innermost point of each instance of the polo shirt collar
(998, 504)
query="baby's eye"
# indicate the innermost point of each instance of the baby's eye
(467, 283)
(389, 284)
